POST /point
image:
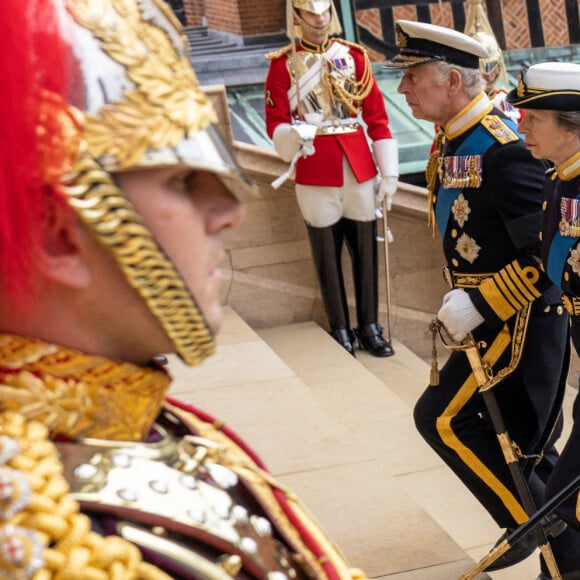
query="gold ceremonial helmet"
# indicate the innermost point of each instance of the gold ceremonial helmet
(293, 20)
(141, 107)
(478, 27)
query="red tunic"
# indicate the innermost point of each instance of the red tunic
(325, 166)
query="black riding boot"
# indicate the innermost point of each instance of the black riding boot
(362, 245)
(326, 245)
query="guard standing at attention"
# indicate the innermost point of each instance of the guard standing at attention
(319, 93)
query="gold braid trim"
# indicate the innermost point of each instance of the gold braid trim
(262, 483)
(278, 53)
(47, 537)
(431, 174)
(357, 91)
(79, 395)
(113, 220)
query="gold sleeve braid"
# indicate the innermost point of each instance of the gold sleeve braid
(43, 534)
(510, 289)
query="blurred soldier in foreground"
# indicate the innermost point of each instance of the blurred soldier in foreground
(485, 199)
(114, 190)
(319, 92)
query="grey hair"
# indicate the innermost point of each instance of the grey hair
(568, 119)
(473, 80)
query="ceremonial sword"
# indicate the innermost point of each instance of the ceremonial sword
(485, 381)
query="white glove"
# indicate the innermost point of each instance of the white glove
(386, 153)
(458, 314)
(386, 188)
(291, 139)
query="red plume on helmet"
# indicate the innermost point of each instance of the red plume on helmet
(34, 61)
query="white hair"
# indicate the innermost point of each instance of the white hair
(473, 81)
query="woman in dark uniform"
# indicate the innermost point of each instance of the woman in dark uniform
(549, 94)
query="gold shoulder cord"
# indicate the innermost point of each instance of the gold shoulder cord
(357, 91)
(431, 174)
(43, 534)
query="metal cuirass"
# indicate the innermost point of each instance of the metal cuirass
(322, 83)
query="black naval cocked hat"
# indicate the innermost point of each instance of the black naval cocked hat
(420, 43)
(548, 85)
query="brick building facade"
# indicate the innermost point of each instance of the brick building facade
(518, 24)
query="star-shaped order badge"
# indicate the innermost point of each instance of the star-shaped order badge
(461, 210)
(574, 260)
(467, 248)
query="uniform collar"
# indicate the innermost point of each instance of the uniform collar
(311, 47)
(570, 169)
(468, 117)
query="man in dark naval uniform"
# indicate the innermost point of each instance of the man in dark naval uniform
(485, 195)
(115, 190)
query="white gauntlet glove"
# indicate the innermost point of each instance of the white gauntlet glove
(458, 314)
(386, 154)
(291, 139)
(386, 187)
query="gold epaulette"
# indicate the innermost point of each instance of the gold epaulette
(352, 44)
(499, 129)
(278, 53)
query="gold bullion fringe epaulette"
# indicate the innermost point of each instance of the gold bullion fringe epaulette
(278, 53)
(63, 389)
(510, 289)
(42, 532)
(571, 304)
(500, 130)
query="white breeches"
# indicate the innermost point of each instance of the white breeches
(324, 206)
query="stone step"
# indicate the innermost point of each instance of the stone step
(339, 432)
(380, 414)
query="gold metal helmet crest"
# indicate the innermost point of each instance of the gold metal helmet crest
(314, 6)
(478, 27)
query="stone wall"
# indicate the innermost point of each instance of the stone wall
(244, 18)
(518, 24)
(269, 276)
